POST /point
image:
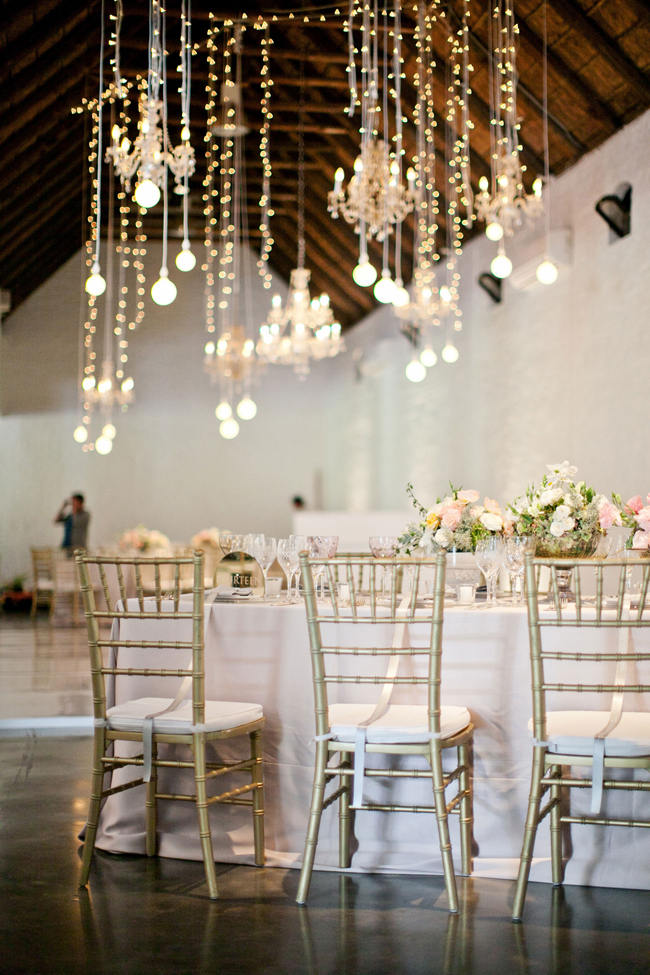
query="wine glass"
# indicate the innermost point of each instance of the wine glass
(322, 547)
(515, 551)
(265, 551)
(489, 558)
(383, 547)
(299, 544)
(286, 561)
(251, 542)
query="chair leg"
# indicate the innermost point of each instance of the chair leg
(151, 812)
(466, 808)
(443, 826)
(530, 831)
(345, 820)
(317, 794)
(556, 829)
(94, 804)
(257, 774)
(198, 747)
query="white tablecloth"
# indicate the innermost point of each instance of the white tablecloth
(260, 653)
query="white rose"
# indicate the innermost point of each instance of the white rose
(491, 521)
(443, 537)
(550, 496)
(562, 512)
(560, 527)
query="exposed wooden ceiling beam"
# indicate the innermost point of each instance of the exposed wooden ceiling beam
(575, 17)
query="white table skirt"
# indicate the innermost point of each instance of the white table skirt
(260, 653)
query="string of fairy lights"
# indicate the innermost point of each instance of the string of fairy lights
(423, 167)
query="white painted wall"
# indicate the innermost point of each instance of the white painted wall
(550, 374)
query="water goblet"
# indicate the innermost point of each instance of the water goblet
(489, 558)
(327, 546)
(230, 543)
(383, 547)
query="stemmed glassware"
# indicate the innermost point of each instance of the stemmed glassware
(489, 558)
(230, 543)
(288, 559)
(515, 551)
(265, 551)
(383, 547)
(322, 547)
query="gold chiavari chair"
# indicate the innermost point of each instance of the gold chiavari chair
(352, 633)
(153, 720)
(54, 576)
(604, 735)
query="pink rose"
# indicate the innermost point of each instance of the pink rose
(634, 505)
(608, 515)
(641, 540)
(451, 517)
(491, 505)
(643, 519)
(467, 497)
(508, 525)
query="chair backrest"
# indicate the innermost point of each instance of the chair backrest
(559, 621)
(374, 610)
(143, 623)
(42, 564)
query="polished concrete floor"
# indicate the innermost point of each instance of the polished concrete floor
(154, 916)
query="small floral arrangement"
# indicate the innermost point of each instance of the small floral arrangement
(208, 537)
(561, 510)
(456, 521)
(635, 515)
(143, 539)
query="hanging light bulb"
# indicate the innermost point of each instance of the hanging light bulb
(400, 295)
(494, 231)
(229, 428)
(80, 434)
(415, 372)
(450, 353)
(146, 194)
(501, 265)
(163, 291)
(127, 385)
(547, 272)
(103, 445)
(246, 408)
(364, 274)
(385, 288)
(95, 283)
(428, 357)
(109, 431)
(185, 259)
(223, 410)
(88, 383)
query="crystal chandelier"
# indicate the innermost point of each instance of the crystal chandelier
(231, 362)
(376, 200)
(304, 328)
(373, 196)
(502, 202)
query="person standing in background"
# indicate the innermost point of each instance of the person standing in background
(75, 519)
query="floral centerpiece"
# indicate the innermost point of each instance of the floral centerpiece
(456, 522)
(206, 538)
(635, 515)
(567, 518)
(141, 539)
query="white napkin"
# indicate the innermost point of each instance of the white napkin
(226, 592)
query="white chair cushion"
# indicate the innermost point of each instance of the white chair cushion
(219, 715)
(572, 732)
(400, 723)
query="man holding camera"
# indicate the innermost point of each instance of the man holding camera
(75, 521)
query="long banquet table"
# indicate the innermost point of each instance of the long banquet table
(259, 652)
